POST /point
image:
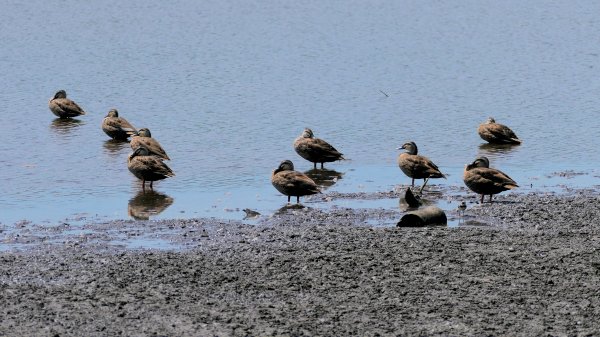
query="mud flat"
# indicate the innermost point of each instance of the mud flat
(526, 265)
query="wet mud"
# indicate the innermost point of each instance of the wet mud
(528, 264)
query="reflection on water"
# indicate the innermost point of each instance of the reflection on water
(290, 207)
(418, 201)
(323, 177)
(496, 150)
(66, 125)
(115, 147)
(147, 204)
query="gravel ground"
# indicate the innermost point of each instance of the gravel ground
(528, 264)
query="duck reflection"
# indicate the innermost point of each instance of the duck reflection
(66, 125)
(115, 147)
(411, 201)
(496, 150)
(147, 204)
(324, 178)
(289, 207)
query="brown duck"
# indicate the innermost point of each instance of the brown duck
(63, 107)
(416, 166)
(117, 127)
(495, 133)
(292, 183)
(482, 179)
(144, 138)
(147, 167)
(315, 150)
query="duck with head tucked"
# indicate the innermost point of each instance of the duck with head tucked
(315, 150)
(292, 183)
(495, 133)
(481, 179)
(117, 127)
(144, 138)
(63, 107)
(416, 166)
(147, 167)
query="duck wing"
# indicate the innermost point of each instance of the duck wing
(151, 144)
(498, 133)
(150, 165)
(420, 166)
(494, 177)
(295, 183)
(318, 149)
(118, 124)
(67, 106)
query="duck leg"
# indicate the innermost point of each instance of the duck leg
(490, 198)
(413, 182)
(321, 166)
(297, 199)
(143, 185)
(482, 198)
(315, 167)
(425, 183)
(152, 188)
(289, 199)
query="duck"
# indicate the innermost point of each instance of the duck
(462, 207)
(63, 107)
(292, 183)
(116, 127)
(315, 150)
(481, 179)
(144, 138)
(147, 167)
(496, 133)
(416, 166)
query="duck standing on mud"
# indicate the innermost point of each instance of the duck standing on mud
(315, 150)
(481, 179)
(63, 107)
(292, 183)
(495, 133)
(416, 166)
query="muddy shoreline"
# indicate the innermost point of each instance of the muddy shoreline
(526, 265)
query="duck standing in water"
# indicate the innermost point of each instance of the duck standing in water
(117, 127)
(63, 107)
(292, 183)
(416, 166)
(147, 167)
(495, 133)
(144, 138)
(482, 179)
(315, 150)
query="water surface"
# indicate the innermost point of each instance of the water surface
(226, 86)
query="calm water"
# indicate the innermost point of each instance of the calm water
(226, 86)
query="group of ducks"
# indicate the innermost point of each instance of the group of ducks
(147, 160)
(478, 176)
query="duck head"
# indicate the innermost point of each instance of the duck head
(491, 120)
(285, 165)
(410, 147)
(140, 151)
(60, 94)
(307, 133)
(144, 132)
(479, 162)
(113, 113)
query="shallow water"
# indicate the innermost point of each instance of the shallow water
(226, 86)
